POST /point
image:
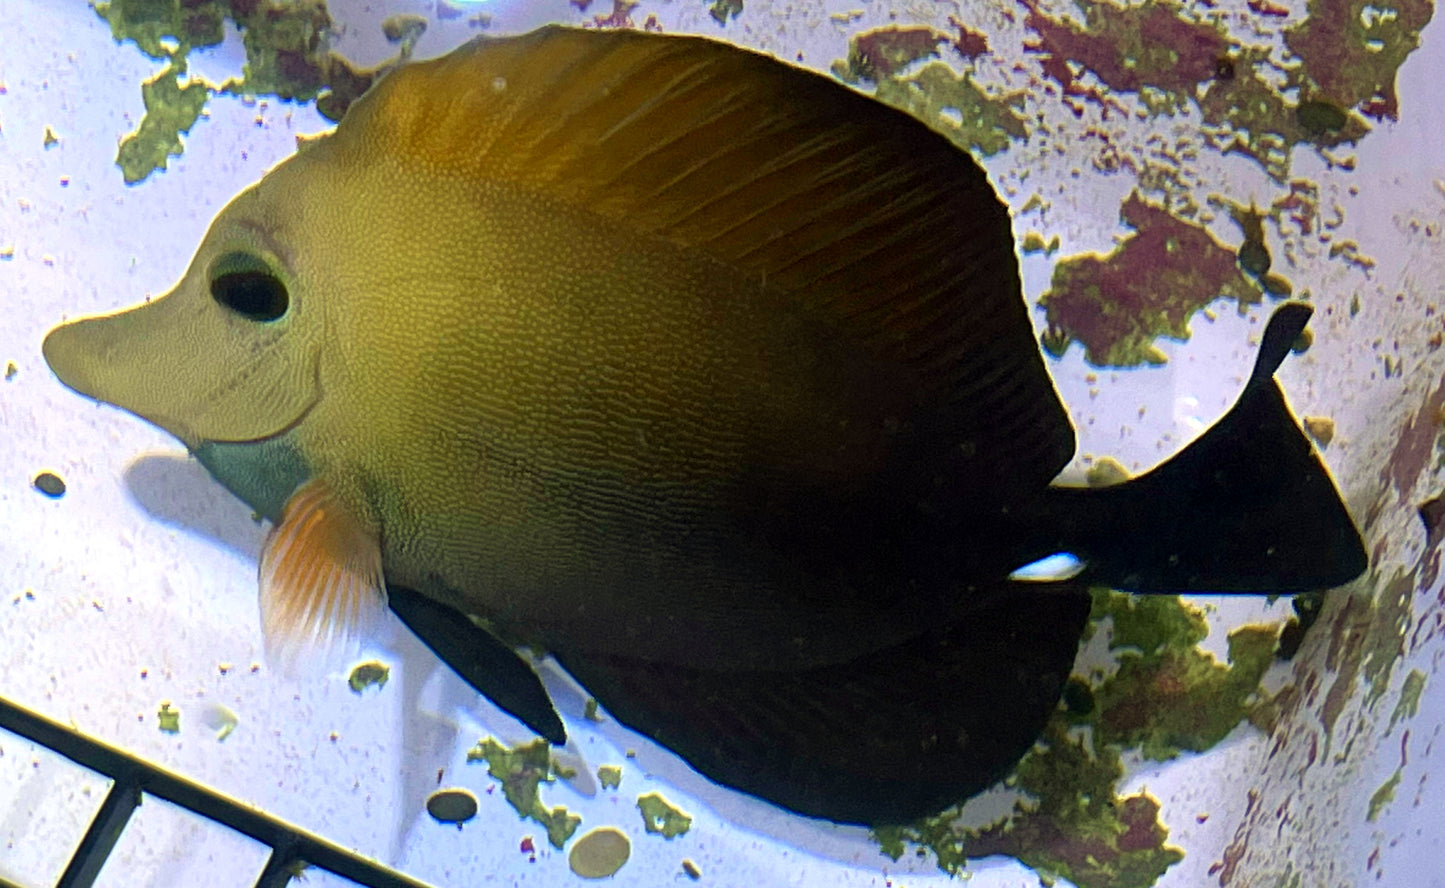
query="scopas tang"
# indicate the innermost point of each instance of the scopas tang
(710, 376)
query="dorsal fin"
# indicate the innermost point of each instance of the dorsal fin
(852, 209)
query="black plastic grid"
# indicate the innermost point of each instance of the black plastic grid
(134, 778)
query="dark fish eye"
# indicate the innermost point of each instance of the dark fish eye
(246, 285)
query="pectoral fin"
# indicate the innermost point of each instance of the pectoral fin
(321, 577)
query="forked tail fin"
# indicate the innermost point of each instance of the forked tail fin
(1248, 507)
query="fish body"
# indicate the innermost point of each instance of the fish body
(665, 355)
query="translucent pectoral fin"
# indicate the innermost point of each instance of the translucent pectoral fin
(321, 579)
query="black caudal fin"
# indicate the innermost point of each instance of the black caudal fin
(887, 738)
(1248, 507)
(487, 664)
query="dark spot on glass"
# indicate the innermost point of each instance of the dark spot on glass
(50, 484)
(1254, 257)
(1290, 639)
(1307, 606)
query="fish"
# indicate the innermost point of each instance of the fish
(707, 375)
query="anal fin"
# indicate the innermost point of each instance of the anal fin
(886, 738)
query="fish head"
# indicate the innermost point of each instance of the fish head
(231, 353)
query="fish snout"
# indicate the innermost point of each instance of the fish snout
(97, 357)
(62, 353)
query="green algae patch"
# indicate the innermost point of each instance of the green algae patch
(659, 816)
(1366, 639)
(881, 53)
(157, 27)
(1149, 625)
(1034, 243)
(168, 718)
(285, 52)
(949, 102)
(1351, 52)
(1383, 796)
(960, 109)
(609, 776)
(1250, 115)
(405, 29)
(1147, 287)
(521, 770)
(1408, 706)
(1384, 643)
(1073, 826)
(164, 31)
(171, 111)
(287, 56)
(724, 10)
(1166, 695)
(1106, 472)
(1318, 118)
(559, 823)
(372, 673)
(1180, 700)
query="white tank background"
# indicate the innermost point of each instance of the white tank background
(139, 584)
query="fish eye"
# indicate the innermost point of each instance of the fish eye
(245, 284)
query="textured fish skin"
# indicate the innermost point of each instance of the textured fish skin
(710, 367)
(708, 374)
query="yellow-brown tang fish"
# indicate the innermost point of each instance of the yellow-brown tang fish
(708, 374)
